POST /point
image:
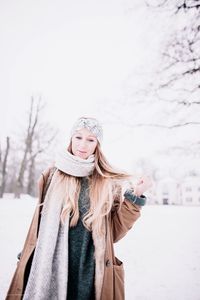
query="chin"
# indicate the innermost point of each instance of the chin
(84, 156)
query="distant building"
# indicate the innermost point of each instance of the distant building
(173, 192)
(167, 191)
(190, 191)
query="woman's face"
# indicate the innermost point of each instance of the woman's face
(83, 143)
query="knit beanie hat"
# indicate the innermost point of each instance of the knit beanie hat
(91, 124)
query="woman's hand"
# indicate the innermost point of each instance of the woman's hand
(143, 184)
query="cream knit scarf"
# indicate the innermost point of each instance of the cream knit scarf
(49, 270)
(74, 165)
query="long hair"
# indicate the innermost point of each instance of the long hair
(105, 191)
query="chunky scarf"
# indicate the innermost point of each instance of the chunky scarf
(49, 270)
(48, 277)
(74, 165)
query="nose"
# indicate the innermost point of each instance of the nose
(82, 144)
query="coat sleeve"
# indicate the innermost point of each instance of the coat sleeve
(123, 218)
(20, 277)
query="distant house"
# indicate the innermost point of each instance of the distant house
(190, 191)
(171, 191)
(167, 191)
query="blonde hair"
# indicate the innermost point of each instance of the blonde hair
(104, 192)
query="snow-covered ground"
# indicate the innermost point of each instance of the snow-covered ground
(161, 253)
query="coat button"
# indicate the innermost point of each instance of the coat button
(108, 263)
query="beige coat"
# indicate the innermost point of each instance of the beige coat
(110, 270)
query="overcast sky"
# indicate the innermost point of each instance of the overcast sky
(81, 57)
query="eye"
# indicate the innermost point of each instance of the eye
(78, 137)
(91, 140)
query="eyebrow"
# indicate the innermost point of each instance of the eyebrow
(93, 136)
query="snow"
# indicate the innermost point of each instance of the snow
(161, 253)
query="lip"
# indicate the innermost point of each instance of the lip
(82, 151)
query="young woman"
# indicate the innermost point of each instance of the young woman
(85, 206)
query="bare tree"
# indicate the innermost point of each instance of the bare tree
(175, 88)
(3, 164)
(42, 141)
(178, 81)
(38, 137)
(181, 56)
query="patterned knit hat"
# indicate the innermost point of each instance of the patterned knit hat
(91, 124)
